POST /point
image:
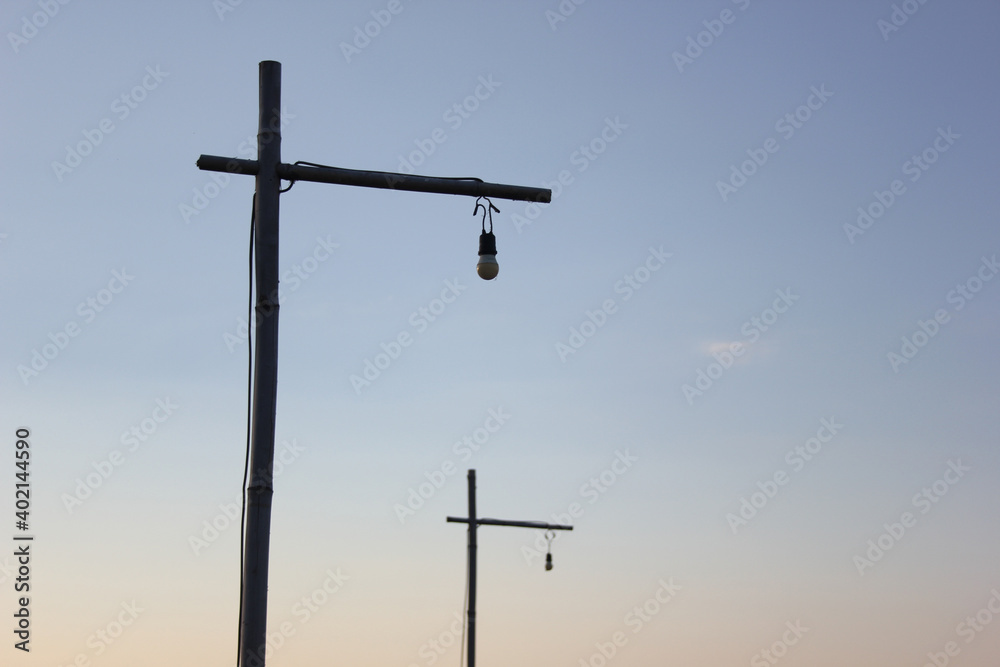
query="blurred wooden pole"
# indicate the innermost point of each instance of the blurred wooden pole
(474, 522)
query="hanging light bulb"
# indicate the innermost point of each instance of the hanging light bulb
(487, 268)
(549, 536)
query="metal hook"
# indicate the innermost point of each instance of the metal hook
(486, 210)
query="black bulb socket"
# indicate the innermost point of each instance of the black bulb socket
(487, 244)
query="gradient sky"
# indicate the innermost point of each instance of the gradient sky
(750, 345)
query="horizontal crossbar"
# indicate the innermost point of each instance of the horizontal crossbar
(381, 179)
(519, 524)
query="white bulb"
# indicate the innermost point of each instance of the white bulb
(487, 268)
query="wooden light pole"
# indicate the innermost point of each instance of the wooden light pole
(474, 522)
(269, 172)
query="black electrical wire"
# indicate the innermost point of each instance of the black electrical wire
(465, 611)
(390, 173)
(246, 461)
(384, 173)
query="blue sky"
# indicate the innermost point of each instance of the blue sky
(749, 347)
